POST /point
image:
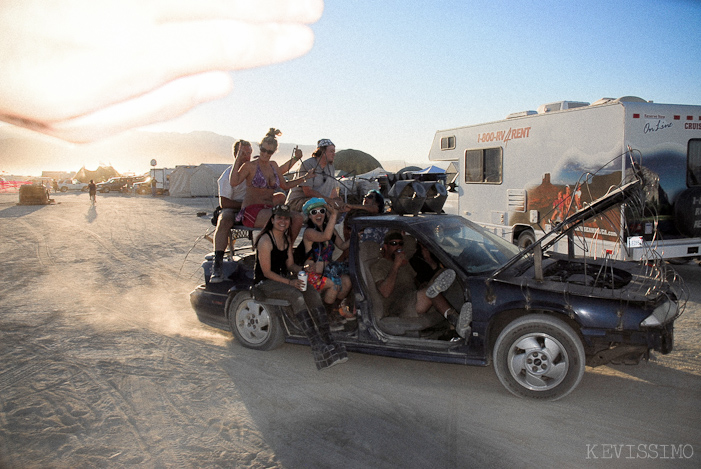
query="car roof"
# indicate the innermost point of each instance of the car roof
(391, 218)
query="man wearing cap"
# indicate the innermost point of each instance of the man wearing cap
(323, 183)
(395, 279)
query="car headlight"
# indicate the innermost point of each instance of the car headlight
(662, 314)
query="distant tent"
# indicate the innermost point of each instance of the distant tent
(203, 181)
(102, 173)
(407, 172)
(431, 170)
(180, 181)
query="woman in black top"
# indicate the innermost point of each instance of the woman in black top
(274, 261)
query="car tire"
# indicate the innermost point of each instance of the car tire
(84, 189)
(525, 239)
(64, 189)
(255, 325)
(539, 357)
(106, 190)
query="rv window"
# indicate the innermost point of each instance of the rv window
(448, 143)
(483, 166)
(693, 170)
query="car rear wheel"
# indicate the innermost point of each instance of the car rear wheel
(64, 189)
(255, 325)
(106, 190)
(540, 357)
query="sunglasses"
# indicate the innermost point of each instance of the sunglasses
(314, 211)
(396, 243)
(265, 150)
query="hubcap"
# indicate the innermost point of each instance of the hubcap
(538, 362)
(253, 321)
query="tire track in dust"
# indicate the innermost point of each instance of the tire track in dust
(41, 246)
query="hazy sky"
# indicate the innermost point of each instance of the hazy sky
(383, 76)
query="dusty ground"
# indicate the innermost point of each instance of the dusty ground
(103, 363)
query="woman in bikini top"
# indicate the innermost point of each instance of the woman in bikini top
(260, 189)
(259, 180)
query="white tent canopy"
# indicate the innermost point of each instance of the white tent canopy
(203, 182)
(196, 181)
(180, 181)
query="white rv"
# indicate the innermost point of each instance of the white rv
(517, 175)
(162, 177)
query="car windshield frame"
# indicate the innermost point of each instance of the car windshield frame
(470, 247)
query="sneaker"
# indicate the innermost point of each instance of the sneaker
(441, 283)
(463, 325)
(217, 274)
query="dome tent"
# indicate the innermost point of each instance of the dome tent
(354, 162)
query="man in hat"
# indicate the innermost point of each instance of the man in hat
(395, 279)
(323, 183)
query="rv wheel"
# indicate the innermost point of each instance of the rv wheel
(525, 239)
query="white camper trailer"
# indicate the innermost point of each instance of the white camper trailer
(162, 177)
(517, 174)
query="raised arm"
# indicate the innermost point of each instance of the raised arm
(289, 164)
(284, 183)
(239, 173)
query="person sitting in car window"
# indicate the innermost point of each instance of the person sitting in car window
(395, 279)
(273, 264)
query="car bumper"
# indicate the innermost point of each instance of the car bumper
(604, 346)
(209, 305)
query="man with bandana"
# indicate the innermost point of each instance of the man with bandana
(323, 184)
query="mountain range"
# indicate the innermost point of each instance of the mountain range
(23, 152)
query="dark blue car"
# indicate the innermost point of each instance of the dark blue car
(537, 317)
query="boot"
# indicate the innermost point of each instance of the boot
(322, 323)
(324, 355)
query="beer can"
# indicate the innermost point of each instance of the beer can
(302, 275)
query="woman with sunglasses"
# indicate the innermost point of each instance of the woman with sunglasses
(329, 278)
(263, 179)
(274, 261)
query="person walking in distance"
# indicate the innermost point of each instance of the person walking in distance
(92, 190)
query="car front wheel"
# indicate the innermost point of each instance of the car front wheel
(255, 325)
(540, 357)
